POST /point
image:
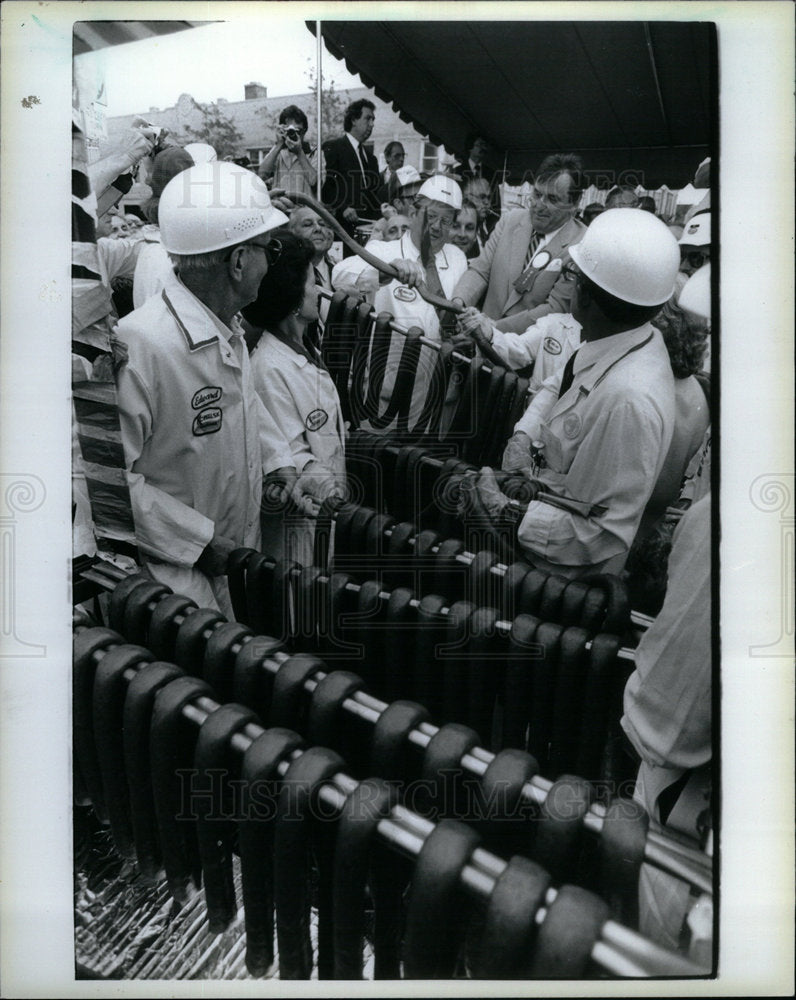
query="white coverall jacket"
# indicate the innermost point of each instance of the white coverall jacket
(604, 443)
(197, 438)
(408, 309)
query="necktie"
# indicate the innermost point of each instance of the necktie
(536, 239)
(569, 375)
(525, 280)
(362, 159)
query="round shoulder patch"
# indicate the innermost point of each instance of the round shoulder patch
(551, 345)
(572, 425)
(316, 419)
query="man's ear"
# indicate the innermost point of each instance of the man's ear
(235, 264)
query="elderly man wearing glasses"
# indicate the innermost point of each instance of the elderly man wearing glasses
(197, 439)
(520, 267)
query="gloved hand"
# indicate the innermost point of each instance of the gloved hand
(489, 493)
(517, 453)
(277, 488)
(215, 555)
(317, 482)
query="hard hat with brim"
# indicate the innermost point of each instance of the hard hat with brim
(214, 205)
(443, 189)
(202, 152)
(407, 175)
(697, 231)
(695, 296)
(630, 254)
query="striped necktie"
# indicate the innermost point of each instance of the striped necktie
(533, 246)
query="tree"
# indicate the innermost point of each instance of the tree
(217, 129)
(333, 107)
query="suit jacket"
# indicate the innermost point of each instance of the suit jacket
(344, 185)
(501, 263)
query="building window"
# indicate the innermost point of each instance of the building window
(256, 156)
(430, 163)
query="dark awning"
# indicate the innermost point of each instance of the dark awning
(91, 35)
(634, 97)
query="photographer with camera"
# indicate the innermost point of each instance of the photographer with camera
(291, 164)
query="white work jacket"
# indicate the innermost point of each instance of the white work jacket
(603, 442)
(197, 438)
(153, 269)
(407, 308)
(303, 401)
(546, 345)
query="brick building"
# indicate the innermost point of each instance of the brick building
(256, 116)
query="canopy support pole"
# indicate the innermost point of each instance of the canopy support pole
(319, 97)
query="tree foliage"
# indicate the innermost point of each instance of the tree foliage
(217, 129)
(333, 106)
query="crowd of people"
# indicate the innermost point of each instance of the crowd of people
(233, 430)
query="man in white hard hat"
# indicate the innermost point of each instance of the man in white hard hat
(694, 248)
(197, 439)
(596, 434)
(423, 254)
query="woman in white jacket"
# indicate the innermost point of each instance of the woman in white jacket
(298, 392)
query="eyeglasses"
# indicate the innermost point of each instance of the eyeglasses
(696, 258)
(272, 249)
(570, 272)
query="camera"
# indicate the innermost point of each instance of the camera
(292, 133)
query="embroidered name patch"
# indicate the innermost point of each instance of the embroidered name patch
(404, 294)
(572, 425)
(551, 345)
(316, 420)
(208, 421)
(204, 397)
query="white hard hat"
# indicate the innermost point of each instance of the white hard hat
(697, 230)
(630, 254)
(443, 189)
(695, 296)
(212, 206)
(407, 175)
(201, 152)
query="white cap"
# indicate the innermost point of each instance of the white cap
(695, 296)
(201, 152)
(407, 175)
(212, 206)
(630, 254)
(444, 189)
(697, 230)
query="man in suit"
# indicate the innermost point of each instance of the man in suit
(520, 269)
(394, 155)
(350, 188)
(477, 149)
